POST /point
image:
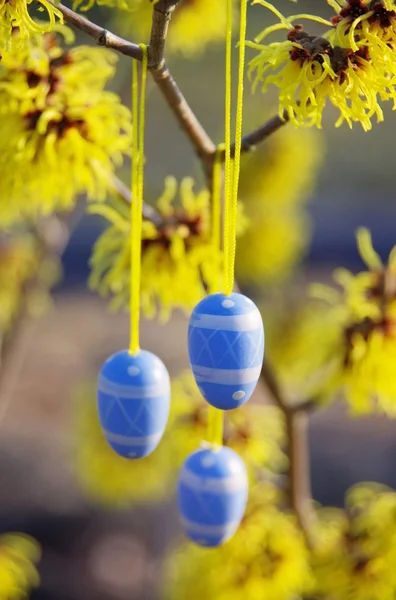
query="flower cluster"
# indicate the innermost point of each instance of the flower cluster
(61, 134)
(351, 557)
(256, 433)
(352, 64)
(18, 555)
(348, 343)
(356, 548)
(179, 260)
(276, 182)
(266, 559)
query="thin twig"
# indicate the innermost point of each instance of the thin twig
(159, 32)
(259, 135)
(123, 191)
(185, 116)
(102, 36)
(299, 488)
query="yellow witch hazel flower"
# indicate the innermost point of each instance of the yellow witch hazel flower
(179, 261)
(356, 550)
(276, 181)
(61, 133)
(352, 65)
(267, 558)
(349, 343)
(15, 17)
(18, 575)
(194, 25)
(256, 433)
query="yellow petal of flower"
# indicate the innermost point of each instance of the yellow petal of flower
(15, 16)
(267, 558)
(58, 119)
(18, 574)
(179, 261)
(348, 347)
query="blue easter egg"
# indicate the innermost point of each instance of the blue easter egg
(133, 402)
(212, 495)
(226, 348)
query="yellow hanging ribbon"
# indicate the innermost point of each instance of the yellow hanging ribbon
(216, 416)
(231, 182)
(137, 184)
(227, 158)
(232, 175)
(216, 211)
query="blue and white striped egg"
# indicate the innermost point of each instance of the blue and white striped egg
(212, 495)
(226, 348)
(133, 402)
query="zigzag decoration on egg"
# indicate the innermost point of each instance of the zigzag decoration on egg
(133, 402)
(226, 348)
(212, 495)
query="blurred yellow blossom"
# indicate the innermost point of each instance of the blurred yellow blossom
(349, 343)
(267, 558)
(356, 551)
(105, 476)
(283, 170)
(15, 16)
(302, 345)
(276, 181)
(56, 117)
(255, 432)
(352, 65)
(18, 575)
(18, 261)
(179, 261)
(194, 24)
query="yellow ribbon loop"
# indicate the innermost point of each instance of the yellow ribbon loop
(231, 182)
(217, 187)
(227, 141)
(231, 171)
(215, 416)
(137, 186)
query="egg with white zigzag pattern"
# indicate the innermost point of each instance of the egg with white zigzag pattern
(133, 402)
(226, 348)
(212, 495)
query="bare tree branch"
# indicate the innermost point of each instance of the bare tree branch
(259, 135)
(123, 191)
(185, 116)
(159, 32)
(299, 488)
(102, 36)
